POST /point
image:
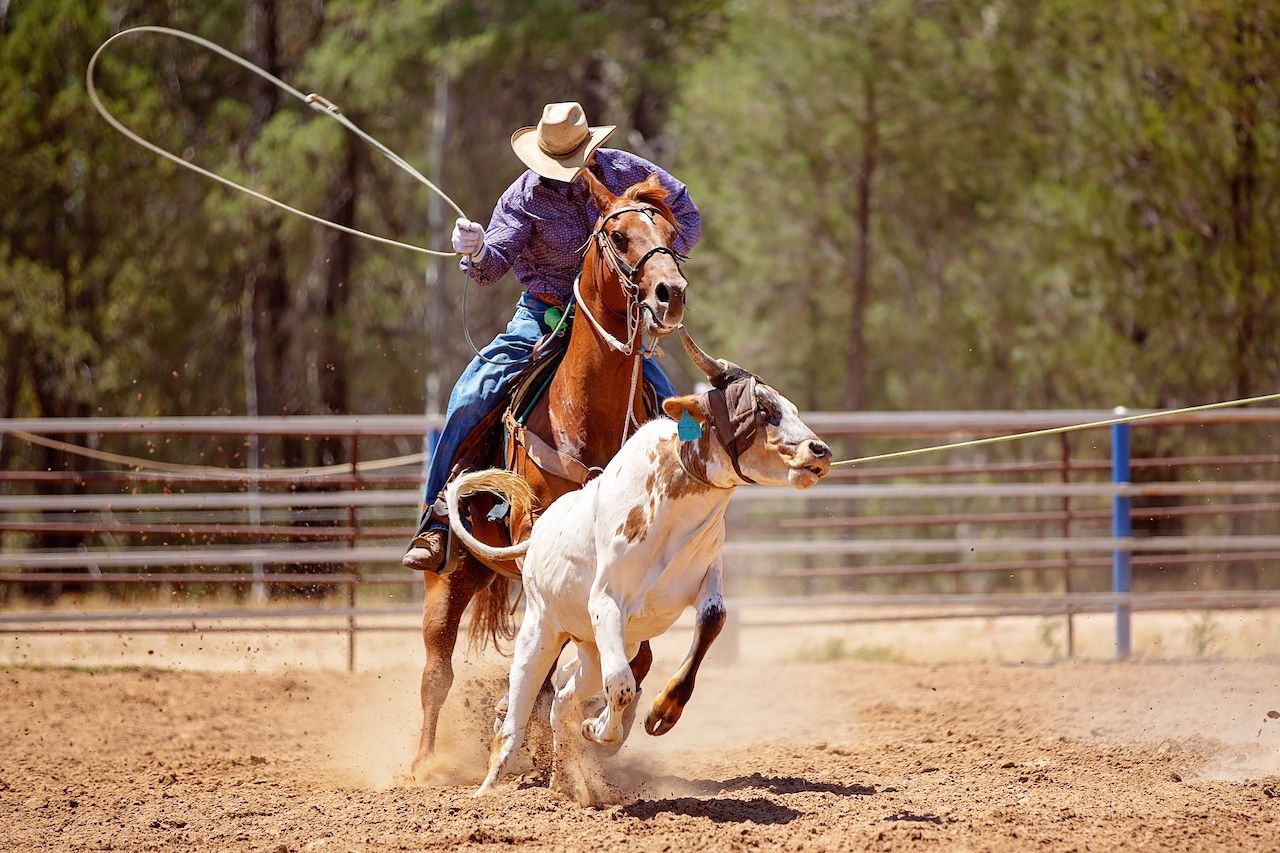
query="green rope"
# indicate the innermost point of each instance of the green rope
(979, 442)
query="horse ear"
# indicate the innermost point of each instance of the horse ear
(652, 187)
(604, 198)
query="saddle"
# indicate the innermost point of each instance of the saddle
(491, 444)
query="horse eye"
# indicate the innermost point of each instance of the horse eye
(619, 240)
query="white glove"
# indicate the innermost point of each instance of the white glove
(468, 239)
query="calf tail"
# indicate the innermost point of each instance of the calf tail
(510, 487)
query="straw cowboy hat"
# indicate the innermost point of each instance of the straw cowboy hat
(561, 143)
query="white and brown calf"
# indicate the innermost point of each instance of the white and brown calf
(615, 563)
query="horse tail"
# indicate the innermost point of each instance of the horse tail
(492, 619)
(511, 487)
(491, 612)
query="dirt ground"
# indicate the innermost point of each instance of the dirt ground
(823, 756)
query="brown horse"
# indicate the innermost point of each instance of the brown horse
(631, 289)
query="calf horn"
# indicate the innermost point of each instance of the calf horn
(712, 367)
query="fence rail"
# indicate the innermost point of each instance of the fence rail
(1039, 511)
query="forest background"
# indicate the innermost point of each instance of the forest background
(908, 204)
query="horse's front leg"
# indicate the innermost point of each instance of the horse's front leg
(444, 599)
(669, 705)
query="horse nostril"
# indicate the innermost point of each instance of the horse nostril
(663, 292)
(820, 450)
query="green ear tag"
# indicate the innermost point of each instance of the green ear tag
(688, 427)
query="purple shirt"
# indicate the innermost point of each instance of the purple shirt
(539, 224)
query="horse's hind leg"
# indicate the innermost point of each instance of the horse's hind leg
(444, 600)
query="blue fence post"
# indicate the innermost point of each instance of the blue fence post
(1121, 528)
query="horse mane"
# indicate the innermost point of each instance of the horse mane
(656, 197)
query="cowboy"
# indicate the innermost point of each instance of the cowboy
(536, 229)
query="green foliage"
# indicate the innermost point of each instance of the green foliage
(907, 204)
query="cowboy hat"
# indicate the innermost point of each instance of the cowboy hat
(561, 142)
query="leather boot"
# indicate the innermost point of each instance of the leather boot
(426, 552)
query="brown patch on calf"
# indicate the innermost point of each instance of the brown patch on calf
(635, 525)
(670, 478)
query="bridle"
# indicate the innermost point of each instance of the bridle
(628, 275)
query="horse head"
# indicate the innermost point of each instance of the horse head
(634, 237)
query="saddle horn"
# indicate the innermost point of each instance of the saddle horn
(714, 368)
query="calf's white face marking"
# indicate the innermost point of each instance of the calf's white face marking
(784, 451)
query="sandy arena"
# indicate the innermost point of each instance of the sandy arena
(802, 756)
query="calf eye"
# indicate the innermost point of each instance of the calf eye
(619, 240)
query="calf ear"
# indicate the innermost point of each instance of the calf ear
(675, 407)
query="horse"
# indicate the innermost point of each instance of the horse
(630, 290)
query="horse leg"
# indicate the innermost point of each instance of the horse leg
(445, 598)
(669, 705)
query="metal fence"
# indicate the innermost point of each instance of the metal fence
(1046, 527)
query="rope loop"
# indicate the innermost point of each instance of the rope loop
(315, 101)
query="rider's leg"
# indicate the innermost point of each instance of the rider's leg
(478, 391)
(652, 372)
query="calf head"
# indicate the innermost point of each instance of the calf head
(757, 430)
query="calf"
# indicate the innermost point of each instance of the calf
(615, 563)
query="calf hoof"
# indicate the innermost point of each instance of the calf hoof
(664, 714)
(601, 732)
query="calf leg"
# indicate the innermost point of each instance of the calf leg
(537, 647)
(444, 600)
(669, 705)
(607, 729)
(569, 775)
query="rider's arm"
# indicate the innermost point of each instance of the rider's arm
(685, 210)
(636, 169)
(506, 237)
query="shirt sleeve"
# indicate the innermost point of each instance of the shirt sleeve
(505, 238)
(686, 212)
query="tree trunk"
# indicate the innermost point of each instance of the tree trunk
(1243, 188)
(437, 299)
(339, 249)
(857, 365)
(272, 297)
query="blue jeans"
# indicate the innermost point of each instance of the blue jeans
(482, 386)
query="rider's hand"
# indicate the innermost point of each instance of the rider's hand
(468, 238)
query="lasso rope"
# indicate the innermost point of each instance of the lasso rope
(999, 439)
(414, 458)
(316, 102)
(215, 471)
